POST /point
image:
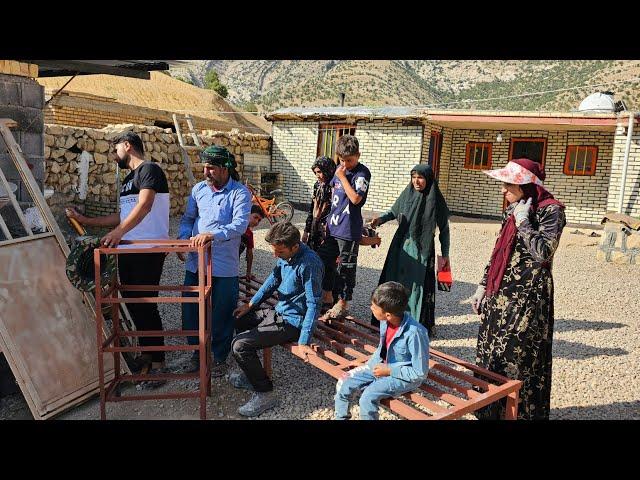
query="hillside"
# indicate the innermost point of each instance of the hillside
(439, 83)
(162, 92)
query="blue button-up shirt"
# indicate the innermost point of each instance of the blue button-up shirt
(225, 214)
(299, 285)
(408, 353)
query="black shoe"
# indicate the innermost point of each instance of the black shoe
(152, 384)
(193, 365)
(138, 364)
(432, 332)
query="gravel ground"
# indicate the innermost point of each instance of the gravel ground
(596, 356)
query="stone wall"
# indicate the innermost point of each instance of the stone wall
(64, 147)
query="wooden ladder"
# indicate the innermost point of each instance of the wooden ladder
(184, 148)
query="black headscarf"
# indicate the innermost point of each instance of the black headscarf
(418, 212)
(326, 166)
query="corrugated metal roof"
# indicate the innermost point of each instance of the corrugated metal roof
(356, 112)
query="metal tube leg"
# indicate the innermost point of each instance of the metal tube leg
(202, 343)
(266, 360)
(511, 412)
(99, 320)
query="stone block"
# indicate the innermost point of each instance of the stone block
(101, 146)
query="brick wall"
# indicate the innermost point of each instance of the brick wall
(473, 192)
(631, 201)
(89, 118)
(293, 152)
(388, 149)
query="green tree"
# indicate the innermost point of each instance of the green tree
(212, 82)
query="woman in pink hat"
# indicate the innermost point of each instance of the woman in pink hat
(515, 297)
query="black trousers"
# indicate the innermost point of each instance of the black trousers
(260, 329)
(143, 269)
(340, 278)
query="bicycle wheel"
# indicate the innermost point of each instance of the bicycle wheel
(283, 212)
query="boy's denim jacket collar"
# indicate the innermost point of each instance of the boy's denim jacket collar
(408, 355)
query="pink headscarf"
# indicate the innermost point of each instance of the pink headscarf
(540, 198)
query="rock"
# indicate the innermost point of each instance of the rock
(57, 153)
(98, 135)
(109, 178)
(173, 148)
(70, 155)
(90, 145)
(49, 140)
(79, 133)
(105, 190)
(54, 129)
(156, 156)
(101, 146)
(60, 141)
(68, 130)
(47, 152)
(54, 167)
(100, 158)
(633, 241)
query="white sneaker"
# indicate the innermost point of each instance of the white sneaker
(259, 403)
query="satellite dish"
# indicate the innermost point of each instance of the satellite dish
(602, 102)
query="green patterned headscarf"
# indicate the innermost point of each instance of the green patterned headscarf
(216, 155)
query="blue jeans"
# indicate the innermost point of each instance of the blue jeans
(374, 390)
(224, 297)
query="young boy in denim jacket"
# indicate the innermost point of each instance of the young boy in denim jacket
(400, 363)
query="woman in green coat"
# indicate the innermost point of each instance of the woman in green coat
(411, 256)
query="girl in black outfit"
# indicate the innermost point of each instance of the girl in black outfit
(324, 169)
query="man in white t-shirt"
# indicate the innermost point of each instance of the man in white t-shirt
(144, 214)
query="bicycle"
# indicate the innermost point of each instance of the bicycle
(282, 212)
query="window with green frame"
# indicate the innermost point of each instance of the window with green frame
(328, 136)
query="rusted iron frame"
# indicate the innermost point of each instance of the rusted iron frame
(204, 328)
(335, 333)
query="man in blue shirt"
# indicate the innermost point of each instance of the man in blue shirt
(350, 186)
(218, 210)
(297, 277)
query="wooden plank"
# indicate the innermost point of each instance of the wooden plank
(15, 241)
(192, 131)
(5, 231)
(12, 197)
(178, 130)
(45, 329)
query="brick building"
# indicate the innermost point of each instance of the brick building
(583, 154)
